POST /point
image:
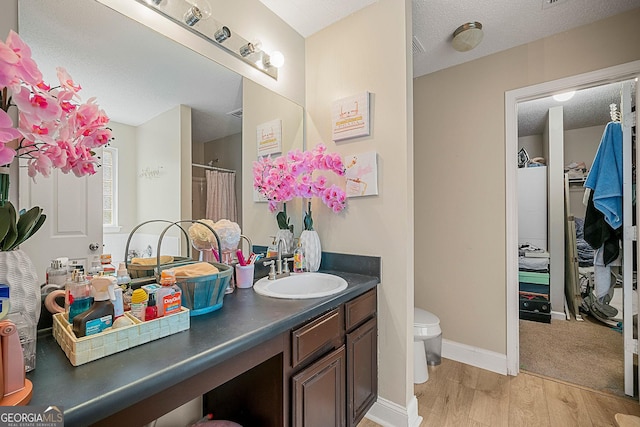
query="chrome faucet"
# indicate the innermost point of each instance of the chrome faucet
(277, 270)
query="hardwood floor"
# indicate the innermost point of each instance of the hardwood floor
(461, 395)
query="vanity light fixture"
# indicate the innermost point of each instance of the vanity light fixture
(154, 2)
(222, 34)
(199, 11)
(467, 36)
(561, 97)
(249, 48)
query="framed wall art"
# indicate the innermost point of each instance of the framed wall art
(350, 117)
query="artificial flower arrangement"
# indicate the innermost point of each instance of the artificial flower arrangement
(281, 179)
(55, 130)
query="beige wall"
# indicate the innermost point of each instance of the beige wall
(460, 170)
(126, 143)
(261, 106)
(343, 60)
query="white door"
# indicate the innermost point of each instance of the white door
(629, 235)
(73, 207)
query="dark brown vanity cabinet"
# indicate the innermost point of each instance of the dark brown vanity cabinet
(334, 360)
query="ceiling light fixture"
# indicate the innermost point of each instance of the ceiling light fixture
(199, 11)
(561, 97)
(467, 36)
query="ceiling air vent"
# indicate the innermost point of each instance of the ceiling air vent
(417, 46)
(236, 113)
(546, 4)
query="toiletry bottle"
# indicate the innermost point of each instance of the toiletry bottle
(56, 274)
(5, 305)
(77, 295)
(124, 280)
(108, 269)
(118, 304)
(96, 267)
(299, 262)
(169, 296)
(272, 249)
(151, 312)
(139, 300)
(100, 315)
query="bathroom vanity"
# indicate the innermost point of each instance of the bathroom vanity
(257, 361)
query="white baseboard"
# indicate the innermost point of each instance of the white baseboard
(560, 315)
(389, 414)
(475, 356)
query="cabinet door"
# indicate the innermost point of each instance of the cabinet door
(362, 370)
(319, 392)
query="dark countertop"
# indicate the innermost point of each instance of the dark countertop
(97, 389)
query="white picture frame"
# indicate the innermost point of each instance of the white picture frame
(361, 174)
(350, 117)
(269, 137)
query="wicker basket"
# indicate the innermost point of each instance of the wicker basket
(142, 271)
(205, 294)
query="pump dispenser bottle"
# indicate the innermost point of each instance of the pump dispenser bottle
(100, 315)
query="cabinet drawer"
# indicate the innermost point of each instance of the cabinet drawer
(316, 337)
(360, 309)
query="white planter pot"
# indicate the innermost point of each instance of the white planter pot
(17, 271)
(287, 236)
(310, 242)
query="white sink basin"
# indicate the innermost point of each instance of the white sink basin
(301, 286)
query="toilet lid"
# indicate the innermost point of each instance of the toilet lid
(424, 319)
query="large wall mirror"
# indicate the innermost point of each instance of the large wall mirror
(170, 108)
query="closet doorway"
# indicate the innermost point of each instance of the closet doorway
(516, 103)
(561, 137)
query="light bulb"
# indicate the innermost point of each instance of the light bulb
(277, 59)
(199, 10)
(154, 2)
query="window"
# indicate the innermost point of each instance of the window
(110, 189)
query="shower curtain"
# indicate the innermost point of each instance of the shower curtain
(221, 199)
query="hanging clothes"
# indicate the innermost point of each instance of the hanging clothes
(605, 177)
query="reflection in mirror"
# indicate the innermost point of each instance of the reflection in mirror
(169, 108)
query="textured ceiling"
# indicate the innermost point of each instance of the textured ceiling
(133, 82)
(588, 107)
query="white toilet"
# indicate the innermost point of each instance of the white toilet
(427, 343)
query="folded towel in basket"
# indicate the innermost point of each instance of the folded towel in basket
(195, 270)
(164, 259)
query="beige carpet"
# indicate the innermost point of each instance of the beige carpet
(583, 353)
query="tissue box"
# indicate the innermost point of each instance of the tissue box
(86, 349)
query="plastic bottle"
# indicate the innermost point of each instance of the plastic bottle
(56, 274)
(169, 296)
(122, 275)
(108, 269)
(118, 304)
(272, 249)
(139, 300)
(5, 304)
(151, 312)
(77, 295)
(100, 315)
(299, 261)
(96, 267)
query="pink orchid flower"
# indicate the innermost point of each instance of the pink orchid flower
(37, 105)
(40, 163)
(66, 81)
(7, 154)
(26, 68)
(7, 132)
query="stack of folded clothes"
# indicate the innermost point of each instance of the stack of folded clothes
(533, 275)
